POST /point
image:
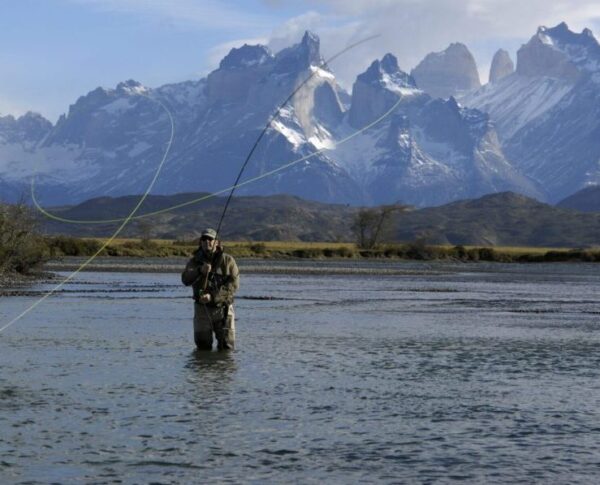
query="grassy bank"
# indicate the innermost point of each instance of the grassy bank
(68, 246)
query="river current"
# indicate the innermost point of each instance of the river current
(439, 373)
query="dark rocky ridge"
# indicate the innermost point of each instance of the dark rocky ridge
(586, 200)
(505, 219)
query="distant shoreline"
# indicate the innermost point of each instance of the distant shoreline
(321, 251)
(247, 265)
(253, 265)
(161, 256)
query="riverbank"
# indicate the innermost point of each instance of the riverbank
(246, 265)
(168, 256)
(67, 246)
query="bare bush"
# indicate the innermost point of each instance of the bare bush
(21, 248)
(373, 225)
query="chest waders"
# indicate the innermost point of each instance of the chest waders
(215, 315)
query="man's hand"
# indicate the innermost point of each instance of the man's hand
(206, 267)
(205, 298)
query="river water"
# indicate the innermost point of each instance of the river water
(439, 373)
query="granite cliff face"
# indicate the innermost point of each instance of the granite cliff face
(111, 140)
(547, 112)
(533, 131)
(447, 73)
(428, 152)
(542, 56)
(501, 67)
(377, 89)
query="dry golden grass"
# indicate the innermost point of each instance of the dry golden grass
(324, 250)
(519, 250)
(292, 245)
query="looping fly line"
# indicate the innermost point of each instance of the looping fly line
(131, 216)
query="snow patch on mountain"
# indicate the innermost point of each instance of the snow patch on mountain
(321, 138)
(436, 150)
(287, 125)
(139, 148)
(186, 95)
(358, 153)
(132, 88)
(61, 163)
(117, 107)
(514, 101)
(391, 84)
(322, 73)
(582, 49)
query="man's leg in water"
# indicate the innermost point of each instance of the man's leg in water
(225, 331)
(203, 330)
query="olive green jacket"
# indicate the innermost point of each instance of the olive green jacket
(223, 280)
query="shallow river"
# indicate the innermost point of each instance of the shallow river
(479, 373)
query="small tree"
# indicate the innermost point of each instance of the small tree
(372, 225)
(145, 229)
(21, 247)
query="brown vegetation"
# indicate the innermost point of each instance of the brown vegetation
(22, 249)
(417, 250)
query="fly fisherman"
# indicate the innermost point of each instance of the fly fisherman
(214, 277)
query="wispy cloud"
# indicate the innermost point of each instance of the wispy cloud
(206, 14)
(219, 51)
(412, 28)
(8, 106)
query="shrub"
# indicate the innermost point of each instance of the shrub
(258, 248)
(461, 253)
(71, 246)
(345, 252)
(307, 253)
(22, 249)
(418, 250)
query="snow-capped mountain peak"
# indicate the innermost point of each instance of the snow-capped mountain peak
(387, 74)
(427, 151)
(246, 56)
(378, 88)
(560, 53)
(300, 56)
(131, 87)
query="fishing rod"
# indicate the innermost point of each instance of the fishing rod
(125, 221)
(232, 188)
(205, 277)
(275, 115)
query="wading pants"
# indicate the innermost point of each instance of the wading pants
(218, 320)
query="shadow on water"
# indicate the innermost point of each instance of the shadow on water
(208, 365)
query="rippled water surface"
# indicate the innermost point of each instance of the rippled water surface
(448, 372)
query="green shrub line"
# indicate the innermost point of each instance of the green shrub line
(59, 246)
(27, 253)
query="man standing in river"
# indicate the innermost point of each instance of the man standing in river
(214, 277)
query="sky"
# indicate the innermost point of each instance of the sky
(53, 51)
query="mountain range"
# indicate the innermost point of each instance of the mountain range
(425, 138)
(585, 200)
(503, 219)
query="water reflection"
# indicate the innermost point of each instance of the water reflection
(499, 369)
(211, 366)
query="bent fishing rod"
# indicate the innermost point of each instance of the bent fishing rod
(203, 278)
(275, 115)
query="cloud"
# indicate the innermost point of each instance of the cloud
(10, 107)
(207, 14)
(219, 51)
(293, 29)
(410, 29)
